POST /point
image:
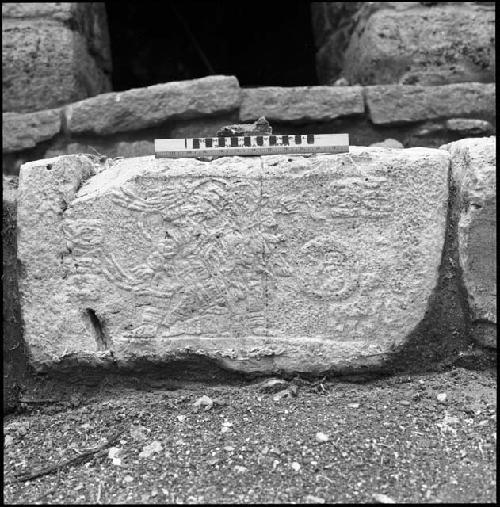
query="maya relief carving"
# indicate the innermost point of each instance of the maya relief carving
(201, 255)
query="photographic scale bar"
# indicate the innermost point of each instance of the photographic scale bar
(251, 145)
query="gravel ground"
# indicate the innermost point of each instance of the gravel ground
(422, 438)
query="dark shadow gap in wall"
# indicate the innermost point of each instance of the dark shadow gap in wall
(261, 43)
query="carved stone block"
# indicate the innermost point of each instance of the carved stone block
(263, 264)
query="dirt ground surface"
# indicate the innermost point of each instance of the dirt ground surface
(421, 438)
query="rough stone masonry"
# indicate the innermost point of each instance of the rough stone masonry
(264, 264)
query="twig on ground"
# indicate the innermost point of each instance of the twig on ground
(76, 460)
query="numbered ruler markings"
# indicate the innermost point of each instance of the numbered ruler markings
(252, 145)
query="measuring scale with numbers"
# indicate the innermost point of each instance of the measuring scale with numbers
(251, 145)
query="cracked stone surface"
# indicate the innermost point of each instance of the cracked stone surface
(263, 264)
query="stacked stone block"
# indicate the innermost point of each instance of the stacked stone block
(372, 43)
(53, 53)
(473, 163)
(125, 124)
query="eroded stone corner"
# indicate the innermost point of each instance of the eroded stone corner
(46, 190)
(473, 170)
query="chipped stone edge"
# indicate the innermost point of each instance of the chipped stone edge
(484, 330)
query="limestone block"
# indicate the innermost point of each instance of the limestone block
(468, 127)
(46, 64)
(404, 103)
(61, 11)
(150, 106)
(282, 263)
(301, 103)
(21, 131)
(88, 18)
(428, 46)
(473, 164)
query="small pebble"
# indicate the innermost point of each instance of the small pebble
(314, 499)
(382, 498)
(322, 437)
(204, 401)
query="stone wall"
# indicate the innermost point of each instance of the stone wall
(412, 74)
(125, 124)
(427, 70)
(53, 53)
(427, 43)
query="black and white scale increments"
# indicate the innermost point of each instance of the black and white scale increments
(251, 145)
